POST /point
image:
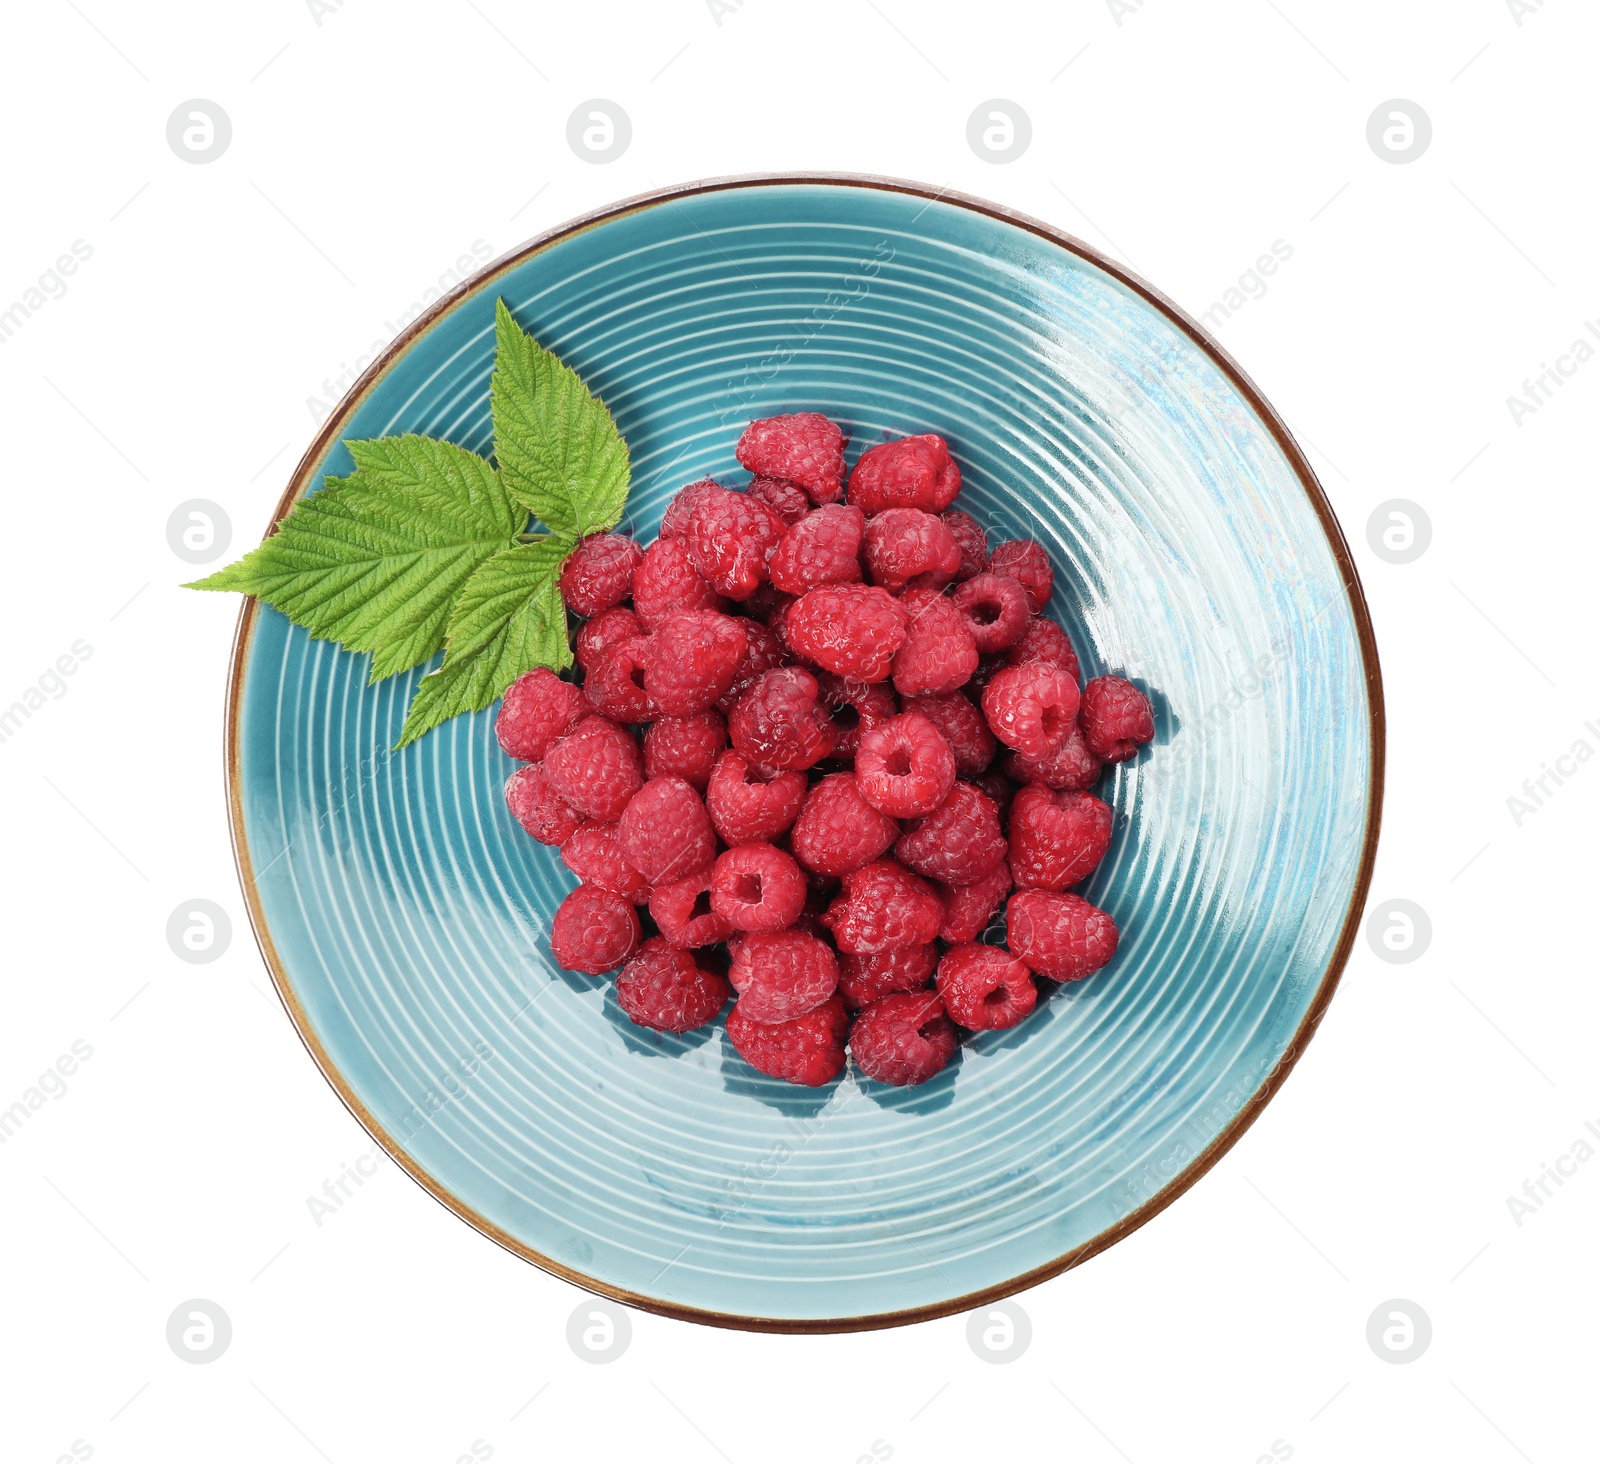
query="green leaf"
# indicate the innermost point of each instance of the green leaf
(374, 560)
(508, 618)
(558, 449)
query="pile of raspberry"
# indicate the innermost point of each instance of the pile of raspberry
(823, 734)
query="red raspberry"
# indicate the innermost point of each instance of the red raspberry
(599, 573)
(968, 909)
(903, 1039)
(905, 767)
(1071, 766)
(1116, 718)
(685, 747)
(691, 661)
(905, 544)
(1031, 707)
(596, 767)
(615, 688)
(763, 651)
(804, 447)
(594, 931)
(973, 541)
(995, 608)
(669, 990)
(959, 842)
(782, 975)
(853, 630)
(988, 668)
(939, 654)
(984, 988)
(536, 805)
(666, 583)
(596, 637)
(863, 979)
(838, 830)
(1057, 839)
(1044, 640)
(883, 906)
(666, 832)
(1026, 561)
(854, 707)
(748, 803)
(823, 548)
(780, 723)
(963, 727)
(675, 521)
(912, 472)
(682, 911)
(757, 887)
(807, 1049)
(1059, 936)
(538, 708)
(730, 538)
(1000, 789)
(788, 500)
(594, 853)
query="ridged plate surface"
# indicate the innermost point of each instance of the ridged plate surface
(406, 915)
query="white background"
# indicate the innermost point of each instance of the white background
(369, 151)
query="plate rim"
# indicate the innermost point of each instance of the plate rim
(330, 433)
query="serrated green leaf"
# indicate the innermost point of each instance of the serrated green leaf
(508, 618)
(557, 446)
(374, 560)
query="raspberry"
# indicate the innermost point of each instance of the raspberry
(988, 668)
(666, 583)
(779, 722)
(1031, 707)
(883, 906)
(665, 831)
(968, 909)
(1071, 766)
(757, 887)
(730, 538)
(805, 447)
(853, 630)
(974, 542)
(748, 803)
(782, 975)
(685, 747)
(691, 661)
(682, 912)
(763, 651)
(838, 830)
(788, 500)
(1044, 640)
(1000, 789)
(615, 688)
(995, 608)
(963, 727)
(668, 989)
(594, 853)
(911, 472)
(807, 1049)
(536, 805)
(854, 707)
(596, 637)
(675, 521)
(1026, 561)
(594, 931)
(596, 767)
(599, 573)
(863, 979)
(1057, 839)
(905, 767)
(985, 988)
(959, 842)
(905, 544)
(903, 1039)
(823, 548)
(538, 708)
(1116, 718)
(1059, 936)
(939, 653)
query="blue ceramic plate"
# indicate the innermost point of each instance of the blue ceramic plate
(405, 916)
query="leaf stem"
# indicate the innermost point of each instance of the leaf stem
(531, 538)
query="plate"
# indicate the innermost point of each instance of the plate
(405, 917)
